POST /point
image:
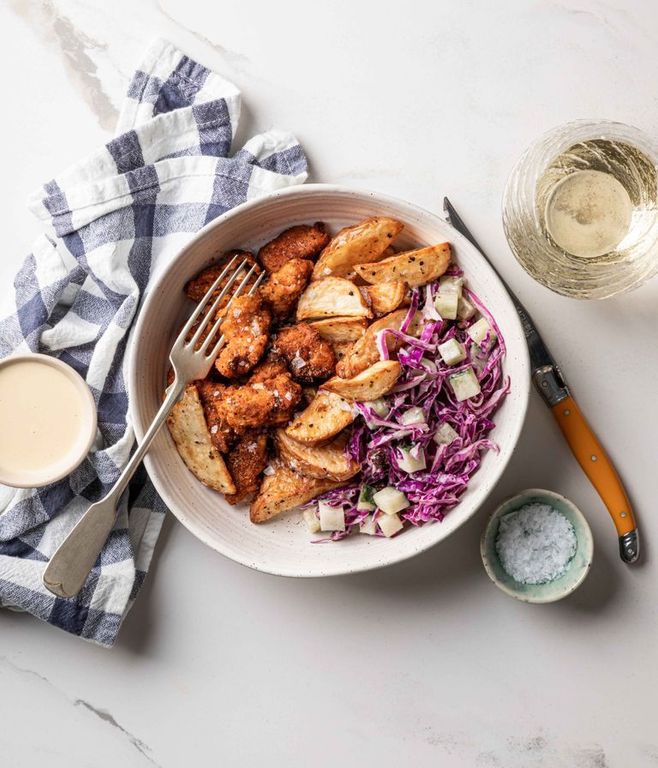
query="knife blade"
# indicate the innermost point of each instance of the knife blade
(551, 385)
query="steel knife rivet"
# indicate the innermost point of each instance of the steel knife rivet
(623, 514)
(594, 457)
(567, 412)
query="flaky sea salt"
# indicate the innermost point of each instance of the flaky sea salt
(535, 543)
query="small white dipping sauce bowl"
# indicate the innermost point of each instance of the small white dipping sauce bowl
(577, 568)
(47, 420)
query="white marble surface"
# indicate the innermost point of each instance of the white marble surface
(425, 663)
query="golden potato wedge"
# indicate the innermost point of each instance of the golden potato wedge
(364, 242)
(331, 297)
(364, 351)
(341, 348)
(286, 489)
(414, 267)
(324, 461)
(376, 381)
(387, 297)
(188, 428)
(324, 418)
(339, 329)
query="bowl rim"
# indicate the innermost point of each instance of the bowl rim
(308, 190)
(507, 505)
(13, 480)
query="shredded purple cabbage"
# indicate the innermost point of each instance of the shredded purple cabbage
(375, 441)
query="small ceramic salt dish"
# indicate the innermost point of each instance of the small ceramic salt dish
(576, 569)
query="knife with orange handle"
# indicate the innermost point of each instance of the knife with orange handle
(584, 444)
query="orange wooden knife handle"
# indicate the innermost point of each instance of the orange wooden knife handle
(595, 463)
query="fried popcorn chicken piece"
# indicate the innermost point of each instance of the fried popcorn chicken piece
(261, 403)
(246, 462)
(211, 394)
(268, 369)
(299, 242)
(246, 328)
(308, 355)
(198, 286)
(286, 285)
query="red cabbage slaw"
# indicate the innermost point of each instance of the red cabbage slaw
(375, 441)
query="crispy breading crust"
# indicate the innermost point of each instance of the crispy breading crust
(299, 242)
(268, 369)
(260, 404)
(246, 462)
(285, 286)
(198, 286)
(221, 434)
(308, 355)
(246, 328)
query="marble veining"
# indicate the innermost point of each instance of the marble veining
(77, 50)
(106, 717)
(102, 714)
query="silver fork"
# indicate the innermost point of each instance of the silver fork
(71, 563)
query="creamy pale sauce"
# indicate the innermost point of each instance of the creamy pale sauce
(588, 213)
(43, 420)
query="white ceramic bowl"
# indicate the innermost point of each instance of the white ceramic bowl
(283, 546)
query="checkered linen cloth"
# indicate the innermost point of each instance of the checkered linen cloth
(114, 221)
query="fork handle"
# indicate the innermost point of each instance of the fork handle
(71, 563)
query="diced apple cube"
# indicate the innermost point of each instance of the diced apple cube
(465, 384)
(412, 459)
(311, 520)
(379, 406)
(465, 309)
(451, 284)
(331, 518)
(368, 526)
(390, 500)
(412, 416)
(482, 333)
(445, 434)
(446, 305)
(452, 352)
(365, 501)
(389, 524)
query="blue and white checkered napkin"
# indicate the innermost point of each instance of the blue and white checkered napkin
(115, 220)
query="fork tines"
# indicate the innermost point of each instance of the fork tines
(210, 316)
